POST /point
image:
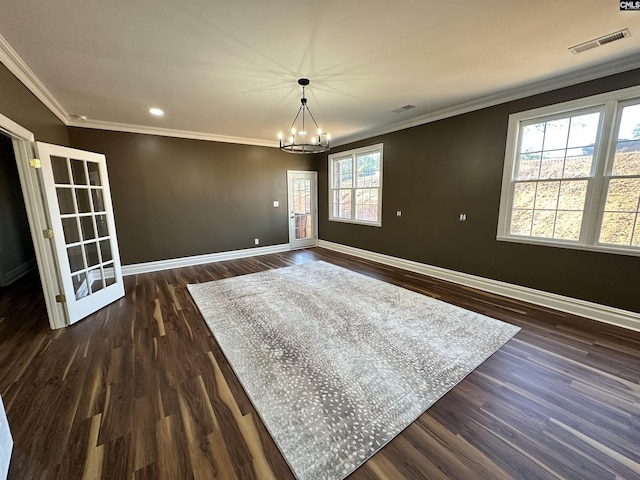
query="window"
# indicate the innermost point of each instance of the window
(355, 186)
(572, 175)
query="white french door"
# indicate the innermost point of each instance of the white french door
(78, 201)
(303, 211)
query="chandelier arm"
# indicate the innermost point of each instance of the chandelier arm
(313, 118)
(294, 120)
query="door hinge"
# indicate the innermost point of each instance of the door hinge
(48, 233)
(61, 298)
(35, 163)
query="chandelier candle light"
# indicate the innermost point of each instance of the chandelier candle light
(298, 141)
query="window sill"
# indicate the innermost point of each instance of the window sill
(356, 222)
(616, 250)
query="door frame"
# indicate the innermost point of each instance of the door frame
(32, 192)
(314, 195)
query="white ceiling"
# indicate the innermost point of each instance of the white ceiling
(230, 68)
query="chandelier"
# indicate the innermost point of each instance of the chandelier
(298, 139)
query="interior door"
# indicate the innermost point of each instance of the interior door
(303, 211)
(78, 200)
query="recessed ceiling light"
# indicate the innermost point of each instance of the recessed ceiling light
(156, 111)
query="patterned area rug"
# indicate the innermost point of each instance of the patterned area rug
(337, 363)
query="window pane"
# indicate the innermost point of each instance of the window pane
(627, 156)
(524, 195)
(343, 173)
(547, 195)
(568, 225)
(552, 164)
(532, 138)
(109, 275)
(105, 250)
(301, 195)
(65, 200)
(75, 258)
(79, 175)
(529, 166)
(572, 195)
(578, 163)
(70, 228)
(543, 223)
(88, 231)
(60, 170)
(623, 195)
(80, 285)
(92, 254)
(521, 222)
(368, 170)
(584, 130)
(630, 123)
(94, 173)
(97, 282)
(367, 204)
(98, 203)
(555, 134)
(101, 224)
(342, 203)
(84, 204)
(617, 228)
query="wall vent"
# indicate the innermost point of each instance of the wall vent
(598, 42)
(404, 108)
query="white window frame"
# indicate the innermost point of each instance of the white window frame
(610, 104)
(353, 154)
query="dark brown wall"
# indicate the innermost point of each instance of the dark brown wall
(436, 171)
(175, 197)
(24, 108)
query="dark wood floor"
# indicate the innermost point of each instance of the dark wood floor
(141, 390)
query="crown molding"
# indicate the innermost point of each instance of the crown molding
(584, 75)
(168, 132)
(10, 58)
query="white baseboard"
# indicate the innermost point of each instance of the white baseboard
(594, 311)
(148, 267)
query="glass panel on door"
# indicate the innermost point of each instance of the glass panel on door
(302, 207)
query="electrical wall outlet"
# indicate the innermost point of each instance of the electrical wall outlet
(257, 241)
(399, 213)
(276, 203)
(463, 217)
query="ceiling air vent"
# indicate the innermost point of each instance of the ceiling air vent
(597, 42)
(404, 108)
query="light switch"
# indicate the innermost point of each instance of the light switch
(276, 203)
(399, 213)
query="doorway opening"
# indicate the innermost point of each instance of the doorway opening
(17, 255)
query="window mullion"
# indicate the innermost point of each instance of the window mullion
(596, 191)
(354, 176)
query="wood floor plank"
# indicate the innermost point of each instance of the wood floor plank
(141, 390)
